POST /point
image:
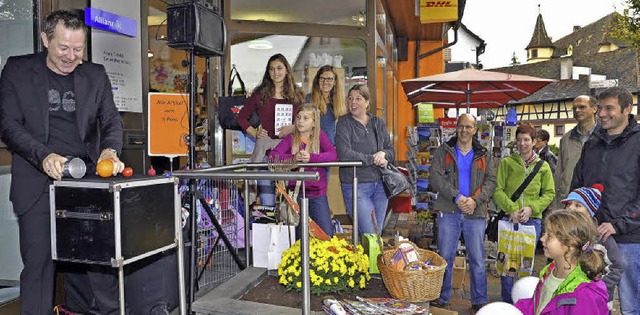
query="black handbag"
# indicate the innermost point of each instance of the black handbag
(229, 106)
(394, 181)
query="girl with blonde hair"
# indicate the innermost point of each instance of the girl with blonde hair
(309, 144)
(327, 94)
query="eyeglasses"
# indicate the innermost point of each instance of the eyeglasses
(461, 127)
(329, 79)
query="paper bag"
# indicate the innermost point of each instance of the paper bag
(269, 241)
(516, 249)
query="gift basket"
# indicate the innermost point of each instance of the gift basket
(411, 273)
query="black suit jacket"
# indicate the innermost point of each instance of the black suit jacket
(24, 120)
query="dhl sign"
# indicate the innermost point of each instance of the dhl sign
(438, 11)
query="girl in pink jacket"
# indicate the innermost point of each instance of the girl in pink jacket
(309, 144)
(571, 283)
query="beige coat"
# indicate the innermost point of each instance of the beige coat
(570, 150)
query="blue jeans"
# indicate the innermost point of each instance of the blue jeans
(319, 212)
(507, 282)
(629, 286)
(450, 225)
(371, 196)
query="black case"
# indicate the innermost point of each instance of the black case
(113, 221)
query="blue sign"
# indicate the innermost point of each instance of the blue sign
(109, 22)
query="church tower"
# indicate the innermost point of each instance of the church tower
(540, 47)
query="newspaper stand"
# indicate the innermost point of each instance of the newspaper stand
(116, 221)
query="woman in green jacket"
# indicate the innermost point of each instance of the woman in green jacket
(528, 207)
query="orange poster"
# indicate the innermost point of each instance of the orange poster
(168, 124)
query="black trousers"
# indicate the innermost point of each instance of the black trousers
(150, 287)
(37, 276)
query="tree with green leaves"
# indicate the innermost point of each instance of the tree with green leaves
(626, 27)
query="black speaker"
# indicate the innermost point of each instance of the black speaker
(195, 26)
(402, 43)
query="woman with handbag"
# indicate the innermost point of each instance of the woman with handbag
(525, 188)
(361, 136)
(277, 87)
(327, 95)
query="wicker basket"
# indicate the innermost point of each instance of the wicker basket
(413, 285)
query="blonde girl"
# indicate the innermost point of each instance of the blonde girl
(309, 144)
(327, 94)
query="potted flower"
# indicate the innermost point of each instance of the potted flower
(335, 266)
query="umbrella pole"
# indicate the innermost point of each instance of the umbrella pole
(468, 94)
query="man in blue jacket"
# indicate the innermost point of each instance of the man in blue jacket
(611, 157)
(465, 180)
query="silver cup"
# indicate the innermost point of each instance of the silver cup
(74, 167)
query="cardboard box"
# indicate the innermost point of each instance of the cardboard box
(459, 272)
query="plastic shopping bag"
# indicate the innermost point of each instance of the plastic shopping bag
(516, 249)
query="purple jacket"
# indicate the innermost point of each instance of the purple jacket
(576, 295)
(327, 153)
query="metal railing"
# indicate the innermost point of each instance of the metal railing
(251, 171)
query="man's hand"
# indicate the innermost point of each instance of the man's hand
(107, 154)
(468, 206)
(605, 230)
(460, 202)
(53, 165)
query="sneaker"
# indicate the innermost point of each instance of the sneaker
(439, 303)
(477, 307)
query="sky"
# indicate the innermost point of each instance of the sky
(507, 25)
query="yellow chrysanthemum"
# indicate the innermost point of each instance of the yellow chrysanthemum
(330, 262)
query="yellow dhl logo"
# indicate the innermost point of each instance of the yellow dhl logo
(439, 4)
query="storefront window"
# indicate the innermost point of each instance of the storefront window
(16, 38)
(16, 27)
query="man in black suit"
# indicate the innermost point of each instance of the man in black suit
(52, 105)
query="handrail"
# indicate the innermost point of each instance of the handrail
(253, 166)
(250, 171)
(303, 176)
